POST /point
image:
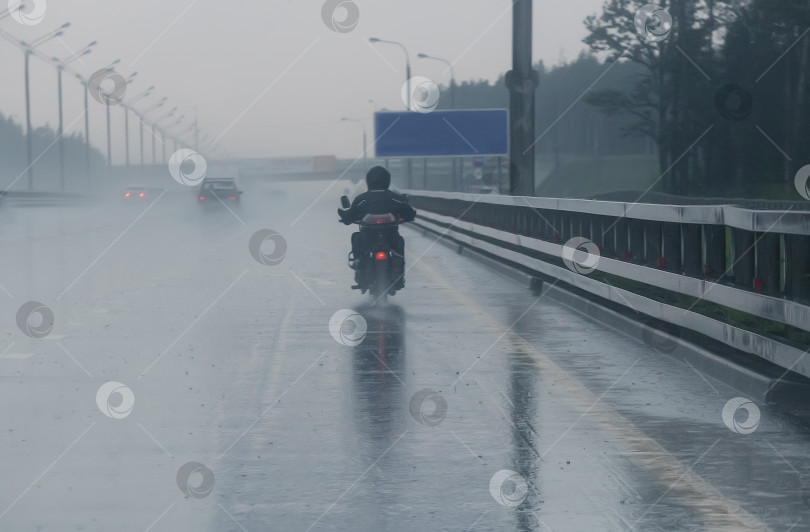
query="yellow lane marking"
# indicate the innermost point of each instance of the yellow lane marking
(684, 485)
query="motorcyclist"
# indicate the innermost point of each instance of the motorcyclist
(379, 200)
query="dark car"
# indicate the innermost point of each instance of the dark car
(217, 191)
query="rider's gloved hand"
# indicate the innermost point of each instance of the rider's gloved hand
(341, 212)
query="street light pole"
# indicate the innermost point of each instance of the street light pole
(126, 107)
(86, 130)
(408, 160)
(452, 76)
(28, 140)
(60, 133)
(456, 177)
(109, 131)
(29, 50)
(407, 64)
(142, 118)
(109, 136)
(10, 11)
(60, 67)
(154, 126)
(109, 139)
(173, 137)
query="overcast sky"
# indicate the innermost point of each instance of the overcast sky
(268, 76)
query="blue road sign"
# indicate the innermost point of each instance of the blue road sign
(441, 133)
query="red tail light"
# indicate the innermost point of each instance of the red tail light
(233, 197)
(126, 195)
(142, 194)
(202, 198)
(381, 255)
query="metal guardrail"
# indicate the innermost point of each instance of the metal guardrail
(679, 249)
(758, 251)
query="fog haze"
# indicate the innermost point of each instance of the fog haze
(269, 77)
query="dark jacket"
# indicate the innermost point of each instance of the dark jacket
(378, 202)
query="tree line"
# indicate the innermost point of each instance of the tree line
(45, 154)
(717, 89)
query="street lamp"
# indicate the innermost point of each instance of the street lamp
(10, 11)
(407, 63)
(58, 32)
(452, 76)
(29, 49)
(142, 117)
(60, 67)
(174, 140)
(86, 127)
(129, 80)
(409, 161)
(452, 99)
(154, 125)
(126, 107)
(362, 125)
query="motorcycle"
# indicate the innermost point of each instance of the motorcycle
(381, 266)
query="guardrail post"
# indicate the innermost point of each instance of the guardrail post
(742, 246)
(563, 226)
(587, 221)
(653, 248)
(635, 240)
(543, 226)
(598, 226)
(671, 247)
(767, 264)
(797, 268)
(524, 221)
(714, 265)
(621, 238)
(691, 250)
(576, 224)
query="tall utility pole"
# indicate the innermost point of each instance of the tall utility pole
(521, 81)
(109, 138)
(28, 49)
(86, 130)
(108, 102)
(28, 137)
(142, 117)
(61, 134)
(154, 128)
(127, 107)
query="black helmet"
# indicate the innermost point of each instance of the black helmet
(378, 178)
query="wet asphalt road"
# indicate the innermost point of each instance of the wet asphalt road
(469, 403)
